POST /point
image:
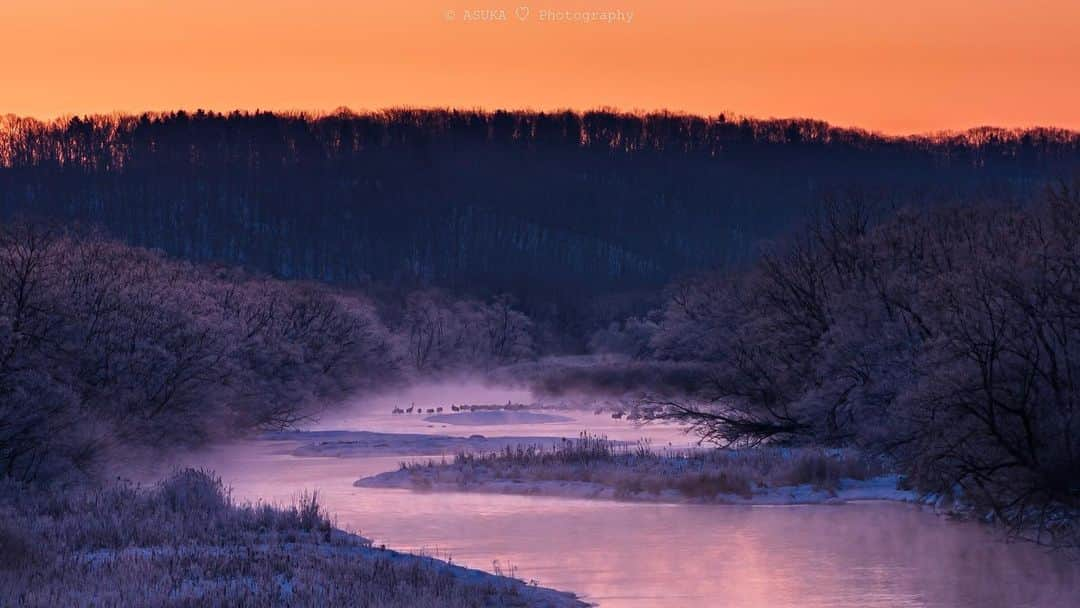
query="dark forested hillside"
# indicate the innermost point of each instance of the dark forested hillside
(530, 203)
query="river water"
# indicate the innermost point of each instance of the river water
(623, 555)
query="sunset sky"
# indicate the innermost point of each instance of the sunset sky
(894, 66)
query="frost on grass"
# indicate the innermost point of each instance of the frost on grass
(594, 467)
(184, 542)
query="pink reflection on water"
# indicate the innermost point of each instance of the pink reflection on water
(637, 555)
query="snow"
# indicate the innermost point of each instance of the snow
(494, 417)
(357, 548)
(356, 444)
(850, 490)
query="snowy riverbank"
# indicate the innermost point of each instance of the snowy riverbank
(497, 417)
(878, 488)
(591, 467)
(359, 444)
(184, 542)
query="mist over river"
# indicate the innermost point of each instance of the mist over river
(623, 554)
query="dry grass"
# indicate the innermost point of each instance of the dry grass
(184, 542)
(636, 469)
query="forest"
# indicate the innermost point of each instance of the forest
(946, 340)
(171, 281)
(554, 208)
(108, 349)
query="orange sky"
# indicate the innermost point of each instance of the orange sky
(898, 66)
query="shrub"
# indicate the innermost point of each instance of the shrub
(194, 491)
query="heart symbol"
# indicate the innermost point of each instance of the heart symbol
(522, 13)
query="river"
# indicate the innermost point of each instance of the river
(631, 555)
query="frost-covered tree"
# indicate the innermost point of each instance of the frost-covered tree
(946, 339)
(104, 346)
(442, 333)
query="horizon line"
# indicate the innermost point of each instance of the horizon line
(725, 116)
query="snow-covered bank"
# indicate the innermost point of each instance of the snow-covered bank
(592, 467)
(385, 574)
(848, 490)
(358, 444)
(495, 417)
(184, 542)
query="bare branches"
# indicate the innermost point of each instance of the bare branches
(947, 339)
(443, 333)
(103, 344)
